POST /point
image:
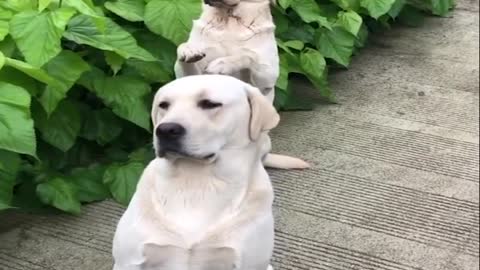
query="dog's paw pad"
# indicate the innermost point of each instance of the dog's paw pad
(188, 54)
(195, 58)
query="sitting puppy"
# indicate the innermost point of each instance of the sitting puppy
(205, 202)
(236, 38)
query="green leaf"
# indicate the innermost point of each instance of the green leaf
(7, 46)
(16, 126)
(351, 21)
(42, 4)
(34, 72)
(282, 81)
(89, 183)
(92, 77)
(411, 16)
(353, 5)
(115, 61)
(302, 32)
(312, 62)
(143, 155)
(67, 67)
(397, 8)
(9, 165)
(122, 180)
(163, 49)
(4, 206)
(15, 77)
(59, 193)
(362, 37)
(5, 14)
(131, 10)
(2, 60)
(125, 95)
(38, 34)
(294, 44)
(310, 11)
(315, 67)
(25, 196)
(172, 19)
(20, 5)
(441, 7)
(62, 127)
(284, 3)
(289, 59)
(85, 7)
(101, 126)
(126, 98)
(337, 44)
(152, 72)
(81, 154)
(82, 30)
(280, 20)
(3, 29)
(377, 8)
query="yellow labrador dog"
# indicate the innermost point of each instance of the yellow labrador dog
(236, 38)
(205, 202)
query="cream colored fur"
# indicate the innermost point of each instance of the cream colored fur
(204, 214)
(236, 39)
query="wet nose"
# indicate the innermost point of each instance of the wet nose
(170, 131)
(210, 2)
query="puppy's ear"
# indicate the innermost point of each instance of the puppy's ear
(263, 116)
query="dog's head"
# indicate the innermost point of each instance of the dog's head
(232, 3)
(196, 117)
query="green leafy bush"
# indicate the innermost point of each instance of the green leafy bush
(77, 79)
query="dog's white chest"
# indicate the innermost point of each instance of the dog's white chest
(193, 211)
(231, 31)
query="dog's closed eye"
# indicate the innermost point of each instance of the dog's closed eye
(208, 104)
(164, 105)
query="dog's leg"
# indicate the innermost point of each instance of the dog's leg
(260, 75)
(270, 267)
(187, 57)
(183, 69)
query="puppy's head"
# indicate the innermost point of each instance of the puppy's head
(232, 3)
(196, 117)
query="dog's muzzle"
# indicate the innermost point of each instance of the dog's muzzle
(216, 3)
(212, 2)
(169, 138)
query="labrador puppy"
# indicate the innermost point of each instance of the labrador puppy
(236, 38)
(205, 202)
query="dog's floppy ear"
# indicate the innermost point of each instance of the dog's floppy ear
(263, 115)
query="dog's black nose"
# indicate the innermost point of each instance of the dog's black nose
(170, 131)
(211, 2)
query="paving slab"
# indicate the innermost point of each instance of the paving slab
(395, 177)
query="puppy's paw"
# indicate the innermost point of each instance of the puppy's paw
(189, 54)
(220, 66)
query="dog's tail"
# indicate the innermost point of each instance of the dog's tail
(284, 162)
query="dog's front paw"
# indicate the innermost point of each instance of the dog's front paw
(189, 54)
(220, 66)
